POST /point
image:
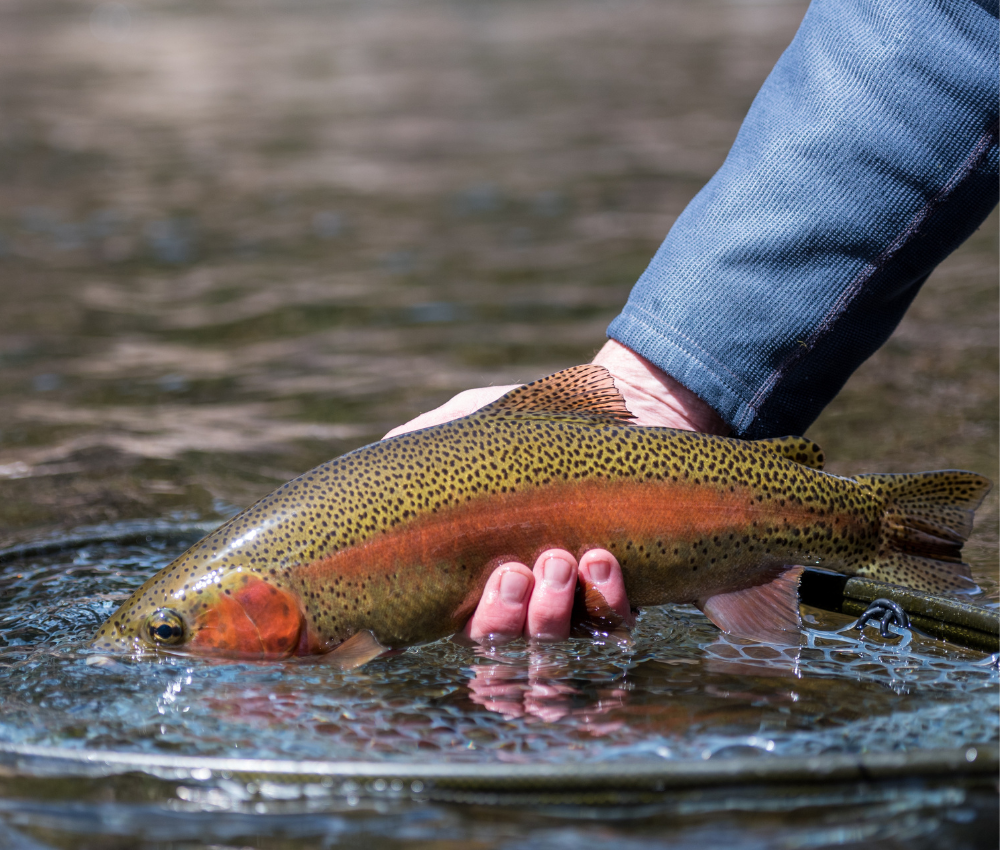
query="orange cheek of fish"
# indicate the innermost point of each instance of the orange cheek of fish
(256, 620)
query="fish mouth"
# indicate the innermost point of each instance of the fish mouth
(123, 645)
(119, 634)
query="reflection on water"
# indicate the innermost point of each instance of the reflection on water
(239, 239)
(677, 689)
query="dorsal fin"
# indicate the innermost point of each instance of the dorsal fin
(587, 390)
(797, 449)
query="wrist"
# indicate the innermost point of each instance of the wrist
(655, 398)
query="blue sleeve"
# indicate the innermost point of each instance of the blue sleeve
(868, 156)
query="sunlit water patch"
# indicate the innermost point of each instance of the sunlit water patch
(679, 690)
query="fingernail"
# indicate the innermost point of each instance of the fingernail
(600, 571)
(513, 586)
(556, 572)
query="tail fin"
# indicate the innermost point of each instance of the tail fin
(928, 516)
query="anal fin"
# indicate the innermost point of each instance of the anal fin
(358, 649)
(768, 613)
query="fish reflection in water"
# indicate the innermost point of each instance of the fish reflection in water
(540, 683)
(728, 687)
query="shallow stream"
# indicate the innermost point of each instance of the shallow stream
(238, 239)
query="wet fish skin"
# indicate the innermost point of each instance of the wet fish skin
(397, 539)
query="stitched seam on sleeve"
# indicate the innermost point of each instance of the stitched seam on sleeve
(854, 288)
(656, 326)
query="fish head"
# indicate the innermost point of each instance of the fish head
(207, 606)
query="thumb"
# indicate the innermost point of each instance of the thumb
(461, 405)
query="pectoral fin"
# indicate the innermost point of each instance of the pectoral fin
(358, 649)
(768, 613)
(594, 617)
(592, 609)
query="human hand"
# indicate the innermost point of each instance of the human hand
(651, 395)
(538, 603)
(654, 399)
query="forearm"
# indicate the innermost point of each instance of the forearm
(868, 156)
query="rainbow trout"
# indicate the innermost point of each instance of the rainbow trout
(391, 544)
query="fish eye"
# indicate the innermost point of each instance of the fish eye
(165, 627)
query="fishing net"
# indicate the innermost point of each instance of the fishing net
(901, 664)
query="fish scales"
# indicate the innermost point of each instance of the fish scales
(684, 518)
(399, 537)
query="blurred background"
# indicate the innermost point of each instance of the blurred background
(240, 238)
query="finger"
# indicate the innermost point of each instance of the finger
(502, 610)
(508, 707)
(548, 697)
(602, 570)
(552, 599)
(425, 420)
(461, 405)
(544, 707)
(499, 688)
